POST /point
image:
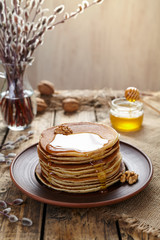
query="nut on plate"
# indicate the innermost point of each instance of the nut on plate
(70, 105)
(45, 87)
(130, 177)
(41, 104)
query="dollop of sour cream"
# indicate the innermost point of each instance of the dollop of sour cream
(80, 142)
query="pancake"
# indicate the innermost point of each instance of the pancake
(79, 157)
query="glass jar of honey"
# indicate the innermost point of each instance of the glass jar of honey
(126, 116)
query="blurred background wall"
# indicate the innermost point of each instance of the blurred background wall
(112, 45)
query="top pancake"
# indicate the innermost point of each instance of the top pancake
(104, 131)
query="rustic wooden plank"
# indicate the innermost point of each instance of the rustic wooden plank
(30, 209)
(85, 53)
(102, 115)
(83, 116)
(77, 224)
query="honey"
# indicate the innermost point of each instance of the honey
(101, 174)
(126, 116)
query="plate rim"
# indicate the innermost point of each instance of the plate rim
(88, 204)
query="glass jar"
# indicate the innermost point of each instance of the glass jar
(126, 116)
(17, 98)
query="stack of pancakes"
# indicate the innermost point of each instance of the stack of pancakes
(79, 157)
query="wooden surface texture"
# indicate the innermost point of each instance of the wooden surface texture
(112, 45)
(52, 222)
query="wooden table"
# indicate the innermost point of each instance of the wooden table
(53, 222)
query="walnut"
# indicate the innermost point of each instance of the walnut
(63, 129)
(129, 176)
(133, 179)
(46, 87)
(41, 105)
(123, 178)
(70, 105)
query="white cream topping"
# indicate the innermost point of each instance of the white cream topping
(81, 142)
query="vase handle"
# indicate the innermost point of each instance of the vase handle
(2, 75)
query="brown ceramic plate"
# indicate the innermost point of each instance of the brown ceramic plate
(22, 172)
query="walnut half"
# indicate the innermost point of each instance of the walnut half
(129, 176)
(63, 129)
